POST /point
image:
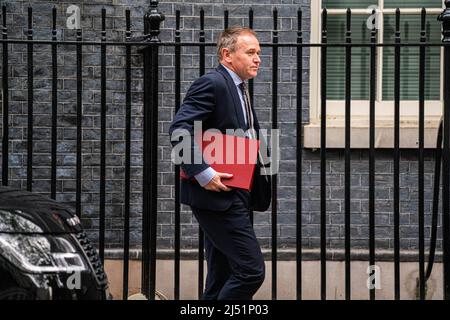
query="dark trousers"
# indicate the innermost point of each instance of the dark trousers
(236, 267)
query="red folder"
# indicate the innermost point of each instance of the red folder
(230, 154)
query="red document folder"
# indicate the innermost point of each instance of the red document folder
(230, 154)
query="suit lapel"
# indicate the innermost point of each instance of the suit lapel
(234, 94)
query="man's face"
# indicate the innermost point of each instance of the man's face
(244, 61)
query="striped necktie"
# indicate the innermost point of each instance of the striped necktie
(248, 109)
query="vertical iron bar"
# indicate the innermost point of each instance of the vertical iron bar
(274, 127)
(445, 18)
(30, 101)
(225, 19)
(54, 103)
(152, 21)
(348, 98)
(154, 178)
(251, 87)
(323, 160)
(250, 81)
(397, 157)
(126, 240)
(5, 85)
(102, 139)
(79, 121)
(446, 176)
(299, 153)
(151, 161)
(373, 40)
(423, 40)
(146, 185)
(201, 236)
(177, 167)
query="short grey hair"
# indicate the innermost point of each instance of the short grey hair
(228, 38)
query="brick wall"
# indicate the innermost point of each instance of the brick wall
(238, 9)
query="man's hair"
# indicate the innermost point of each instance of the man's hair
(228, 38)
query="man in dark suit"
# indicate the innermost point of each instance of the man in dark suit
(220, 100)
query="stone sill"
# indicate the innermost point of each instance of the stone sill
(384, 134)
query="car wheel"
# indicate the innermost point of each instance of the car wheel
(16, 293)
(10, 290)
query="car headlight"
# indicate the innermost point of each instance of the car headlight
(16, 223)
(41, 253)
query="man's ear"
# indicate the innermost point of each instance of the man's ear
(226, 55)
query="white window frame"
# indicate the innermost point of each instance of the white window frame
(409, 110)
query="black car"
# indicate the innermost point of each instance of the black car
(44, 253)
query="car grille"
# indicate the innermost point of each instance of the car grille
(93, 257)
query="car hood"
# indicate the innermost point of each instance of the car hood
(27, 212)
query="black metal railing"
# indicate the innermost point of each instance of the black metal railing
(55, 44)
(148, 46)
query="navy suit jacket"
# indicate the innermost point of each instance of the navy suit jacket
(214, 100)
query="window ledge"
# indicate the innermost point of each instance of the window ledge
(384, 134)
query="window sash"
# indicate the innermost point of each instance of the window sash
(409, 61)
(410, 32)
(360, 59)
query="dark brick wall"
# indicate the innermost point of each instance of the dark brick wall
(91, 24)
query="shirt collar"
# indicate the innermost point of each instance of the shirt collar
(236, 79)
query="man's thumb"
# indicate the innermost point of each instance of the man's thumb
(225, 175)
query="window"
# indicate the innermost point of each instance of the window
(409, 83)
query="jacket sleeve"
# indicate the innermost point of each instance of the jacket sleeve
(198, 105)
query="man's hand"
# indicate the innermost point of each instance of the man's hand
(216, 184)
